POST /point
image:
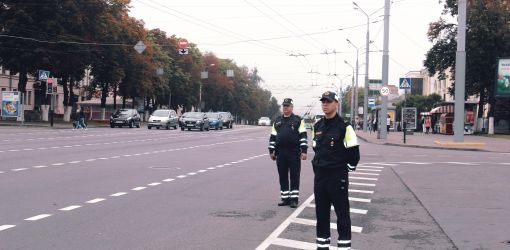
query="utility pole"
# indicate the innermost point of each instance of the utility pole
(352, 91)
(385, 68)
(460, 75)
(356, 88)
(367, 58)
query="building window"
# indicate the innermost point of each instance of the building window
(4, 89)
(29, 97)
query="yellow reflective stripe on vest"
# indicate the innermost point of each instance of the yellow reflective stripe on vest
(302, 127)
(273, 130)
(350, 139)
(313, 137)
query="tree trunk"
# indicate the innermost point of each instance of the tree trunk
(124, 102)
(72, 100)
(22, 82)
(66, 91)
(104, 94)
(114, 96)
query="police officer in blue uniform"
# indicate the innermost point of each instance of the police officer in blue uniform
(336, 153)
(287, 145)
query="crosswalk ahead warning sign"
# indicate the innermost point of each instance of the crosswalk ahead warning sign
(44, 75)
(405, 83)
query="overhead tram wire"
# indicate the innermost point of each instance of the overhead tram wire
(217, 29)
(295, 26)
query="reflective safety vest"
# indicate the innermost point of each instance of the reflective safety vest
(335, 144)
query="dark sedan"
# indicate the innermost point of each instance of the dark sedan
(125, 117)
(194, 120)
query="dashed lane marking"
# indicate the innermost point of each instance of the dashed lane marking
(138, 188)
(19, 169)
(40, 166)
(154, 184)
(181, 176)
(95, 200)
(69, 208)
(38, 217)
(168, 180)
(5, 227)
(461, 163)
(118, 194)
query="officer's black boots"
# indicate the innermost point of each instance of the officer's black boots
(284, 202)
(293, 203)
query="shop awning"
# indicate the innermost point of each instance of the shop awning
(435, 110)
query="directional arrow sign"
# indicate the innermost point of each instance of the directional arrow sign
(405, 83)
(183, 51)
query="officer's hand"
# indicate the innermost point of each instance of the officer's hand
(303, 156)
(272, 156)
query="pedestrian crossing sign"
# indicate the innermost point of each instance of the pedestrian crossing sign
(405, 83)
(44, 75)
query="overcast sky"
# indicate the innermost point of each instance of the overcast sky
(274, 35)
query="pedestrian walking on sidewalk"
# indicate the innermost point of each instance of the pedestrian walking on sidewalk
(287, 146)
(388, 123)
(427, 125)
(336, 153)
(81, 117)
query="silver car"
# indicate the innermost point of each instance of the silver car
(163, 118)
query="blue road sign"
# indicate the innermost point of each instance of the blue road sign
(371, 102)
(405, 83)
(43, 75)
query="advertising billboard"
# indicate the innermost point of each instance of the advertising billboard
(11, 103)
(503, 78)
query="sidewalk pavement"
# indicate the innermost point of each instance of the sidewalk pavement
(439, 141)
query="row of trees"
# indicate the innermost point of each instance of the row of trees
(67, 37)
(487, 39)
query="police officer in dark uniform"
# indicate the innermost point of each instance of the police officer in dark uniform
(287, 145)
(336, 153)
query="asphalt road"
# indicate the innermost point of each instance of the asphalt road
(169, 189)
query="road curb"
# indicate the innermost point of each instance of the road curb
(427, 147)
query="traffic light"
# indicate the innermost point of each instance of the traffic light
(49, 88)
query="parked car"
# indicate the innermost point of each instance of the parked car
(194, 120)
(163, 118)
(125, 117)
(227, 119)
(264, 121)
(215, 121)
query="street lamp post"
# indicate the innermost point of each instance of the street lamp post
(365, 99)
(352, 91)
(203, 75)
(356, 88)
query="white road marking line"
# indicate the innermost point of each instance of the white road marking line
(352, 210)
(127, 155)
(137, 154)
(461, 163)
(154, 184)
(38, 217)
(373, 167)
(115, 157)
(168, 180)
(58, 164)
(70, 208)
(384, 164)
(294, 244)
(211, 168)
(1, 172)
(95, 200)
(13, 150)
(103, 158)
(333, 226)
(201, 171)
(138, 188)
(362, 184)
(192, 173)
(40, 166)
(361, 173)
(360, 199)
(118, 194)
(5, 227)
(361, 191)
(19, 169)
(371, 170)
(74, 162)
(504, 163)
(181, 176)
(363, 178)
(41, 148)
(90, 160)
(68, 146)
(415, 163)
(28, 149)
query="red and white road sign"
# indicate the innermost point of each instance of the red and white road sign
(183, 43)
(385, 91)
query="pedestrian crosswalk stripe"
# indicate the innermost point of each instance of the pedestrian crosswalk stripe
(362, 184)
(375, 167)
(385, 164)
(416, 163)
(367, 169)
(5, 227)
(361, 173)
(361, 191)
(352, 210)
(461, 163)
(294, 244)
(332, 225)
(359, 199)
(363, 178)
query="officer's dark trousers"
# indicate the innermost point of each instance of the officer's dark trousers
(331, 188)
(288, 162)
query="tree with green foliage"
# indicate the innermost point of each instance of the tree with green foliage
(487, 38)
